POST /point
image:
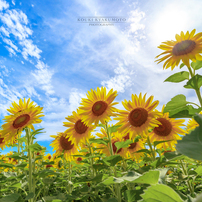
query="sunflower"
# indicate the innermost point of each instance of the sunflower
(139, 116)
(134, 147)
(17, 122)
(117, 137)
(192, 124)
(77, 131)
(187, 46)
(98, 106)
(169, 129)
(21, 106)
(2, 142)
(62, 142)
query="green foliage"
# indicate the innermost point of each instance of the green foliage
(178, 108)
(178, 77)
(160, 192)
(195, 82)
(196, 65)
(191, 144)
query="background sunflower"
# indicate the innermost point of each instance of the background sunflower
(98, 106)
(186, 47)
(139, 116)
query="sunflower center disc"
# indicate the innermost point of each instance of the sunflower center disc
(79, 159)
(65, 143)
(164, 129)
(126, 137)
(138, 116)
(132, 146)
(115, 148)
(99, 108)
(184, 47)
(80, 127)
(1, 140)
(21, 120)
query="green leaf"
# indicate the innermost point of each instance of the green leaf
(18, 185)
(159, 142)
(191, 83)
(6, 165)
(160, 193)
(98, 141)
(129, 195)
(29, 196)
(112, 200)
(199, 170)
(101, 125)
(123, 144)
(182, 65)
(191, 144)
(143, 150)
(196, 65)
(35, 147)
(178, 77)
(113, 129)
(173, 156)
(178, 108)
(10, 198)
(38, 131)
(112, 160)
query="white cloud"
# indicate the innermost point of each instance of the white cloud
(9, 42)
(13, 2)
(16, 22)
(75, 99)
(4, 31)
(10, 50)
(29, 49)
(3, 5)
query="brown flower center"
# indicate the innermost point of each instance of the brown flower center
(21, 120)
(80, 127)
(48, 166)
(115, 148)
(49, 157)
(184, 47)
(164, 129)
(1, 140)
(65, 143)
(99, 108)
(126, 137)
(79, 159)
(132, 145)
(138, 116)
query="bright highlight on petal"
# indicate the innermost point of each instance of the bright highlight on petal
(186, 47)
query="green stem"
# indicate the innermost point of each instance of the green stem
(69, 178)
(91, 159)
(152, 150)
(186, 174)
(118, 190)
(29, 142)
(198, 93)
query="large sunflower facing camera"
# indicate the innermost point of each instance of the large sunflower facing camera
(139, 117)
(17, 122)
(98, 106)
(186, 47)
(169, 129)
(77, 130)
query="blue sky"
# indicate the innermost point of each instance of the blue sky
(47, 56)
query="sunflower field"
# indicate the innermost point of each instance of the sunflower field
(147, 156)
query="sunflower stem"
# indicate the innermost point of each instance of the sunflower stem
(188, 182)
(70, 190)
(152, 150)
(198, 93)
(29, 142)
(118, 190)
